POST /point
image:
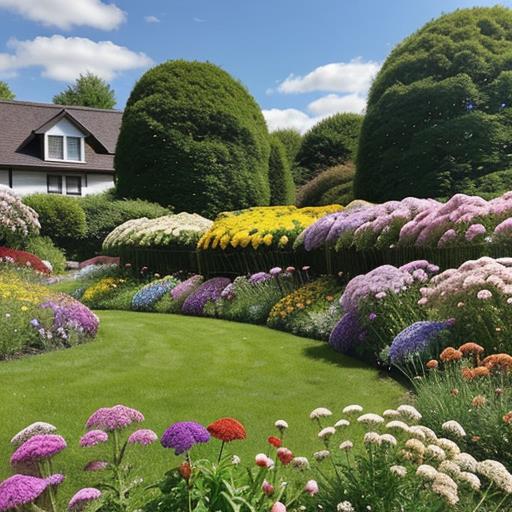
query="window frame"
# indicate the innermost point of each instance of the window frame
(79, 193)
(48, 176)
(64, 149)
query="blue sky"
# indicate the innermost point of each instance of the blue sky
(301, 59)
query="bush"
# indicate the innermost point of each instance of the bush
(192, 137)
(147, 296)
(23, 259)
(291, 140)
(44, 248)
(333, 183)
(100, 294)
(62, 218)
(208, 291)
(331, 142)
(438, 115)
(282, 187)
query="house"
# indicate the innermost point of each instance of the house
(55, 149)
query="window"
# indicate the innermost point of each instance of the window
(56, 147)
(74, 146)
(73, 185)
(54, 184)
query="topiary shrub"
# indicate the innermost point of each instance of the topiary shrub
(282, 187)
(438, 117)
(334, 185)
(62, 218)
(292, 141)
(331, 142)
(193, 137)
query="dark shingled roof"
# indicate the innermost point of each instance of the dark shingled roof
(20, 144)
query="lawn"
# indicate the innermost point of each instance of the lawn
(175, 368)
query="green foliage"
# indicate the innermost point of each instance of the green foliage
(282, 187)
(292, 141)
(192, 137)
(439, 116)
(331, 142)
(88, 90)
(5, 91)
(62, 218)
(332, 186)
(45, 249)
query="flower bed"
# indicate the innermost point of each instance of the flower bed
(17, 221)
(23, 259)
(209, 291)
(147, 296)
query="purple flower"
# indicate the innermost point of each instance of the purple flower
(42, 446)
(93, 438)
(83, 497)
(259, 277)
(416, 339)
(346, 334)
(114, 418)
(275, 271)
(182, 436)
(96, 465)
(475, 231)
(209, 291)
(372, 316)
(19, 490)
(143, 437)
(181, 291)
(55, 480)
(229, 292)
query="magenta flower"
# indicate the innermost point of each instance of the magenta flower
(143, 437)
(114, 418)
(96, 465)
(82, 498)
(42, 446)
(93, 438)
(55, 480)
(19, 490)
(182, 436)
(275, 271)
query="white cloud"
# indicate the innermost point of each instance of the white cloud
(64, 58)
(150, 19)
(68, 13)
(287, 118)
(341, 77)
(333, 103)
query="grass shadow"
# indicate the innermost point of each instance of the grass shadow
(324, 352)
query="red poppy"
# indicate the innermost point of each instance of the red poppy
(227, 430)
(275, 441)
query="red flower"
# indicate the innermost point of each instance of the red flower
(275, 441)
(185, 470)
(227, 430)
(284, 455)
(22, 258)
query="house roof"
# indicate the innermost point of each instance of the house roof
(21, 122)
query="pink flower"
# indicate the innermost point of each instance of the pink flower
(484, 295)
(114, 418)
(267, 488)
(143, 437)
(93, 438)
(278, 507)
(311, 487)
(42, 446)
(263, 461)
(96, 465)
(19, 490)
(83, 497)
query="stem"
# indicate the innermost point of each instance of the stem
(483, 498)
(51, 490)
(221, 450)
(189, 486)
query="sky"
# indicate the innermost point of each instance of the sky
(302, 60)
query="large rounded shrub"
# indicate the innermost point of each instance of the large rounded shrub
(192, 137)
(331, 142)
(282, 187)
(439, 117)
(292, 141)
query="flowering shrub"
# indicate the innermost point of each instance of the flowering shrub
(264, 226)
(147, 296)
(173, 301)
(208, 291)
(181, 230)
(22, 258)
(104, 288)
(17, 220)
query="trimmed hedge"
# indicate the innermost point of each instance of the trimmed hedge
(194, 138)
(292, 141)
(282, 187)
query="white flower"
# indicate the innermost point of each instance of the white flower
(391, 413)
(397, 425)
(372, 438)
(417, 433)
(346, 445)
(235, 460)
(416, 446)
(466, 462)
(320, 412)
(321, 455)
(326, 432)
(281, 425)
(448, 446)
(409, 412)
(430, 435)
(449, 467)
(470, 479)
(453, 427)
(345, 506)
(388, 439)
(497, 473)
(39, 427)
(352, 409)
(426, 472)
(398, 471)
(370, 419)
(342, 423)
(435, 453)
(300, 463)
(445, 487)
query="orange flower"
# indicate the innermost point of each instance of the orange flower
(432, 364)
(468, 373)
(450, 354)
(500, 362)
(185, 470)
(478, 401)
(275, 441)
(227, 430)
(470, 348)
(481, 371)
(508, 418)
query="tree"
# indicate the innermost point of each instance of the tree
(5, 91)
(192, 137)
(282, 187)
(331, 142)
(88, 91)
(291, 140)
(439, 116)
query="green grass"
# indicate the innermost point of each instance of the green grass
(176, 368)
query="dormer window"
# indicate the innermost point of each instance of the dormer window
(64, 147)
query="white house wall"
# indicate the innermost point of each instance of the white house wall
(97, 183)
(4, 178)
(64, 127)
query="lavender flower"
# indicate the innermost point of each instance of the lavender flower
(475, 231)
(96, 465)
(143, 437)
(181, 291)
(416, 339)
(41, 446)
(93, 438)
(275, 271)
(347, 333)
(182, 436)
(209, 291)
(259, 277)
(114, 418)
(55, 480)
(82, 498)
(19, 490)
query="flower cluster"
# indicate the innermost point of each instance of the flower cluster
(102, 289)
(209, 291)
(181, 230)
(17, 220)
(264, 226)
(145, 298)
(23, 259)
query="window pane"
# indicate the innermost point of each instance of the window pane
(73, 144)
(74, 185)
(56, 147)
(54, 184)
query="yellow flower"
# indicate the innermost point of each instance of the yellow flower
(245, 241)
(224, 241)
(24, 308)
(283, 241)
(267, 239)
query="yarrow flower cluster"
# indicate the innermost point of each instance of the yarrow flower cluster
(114, 418)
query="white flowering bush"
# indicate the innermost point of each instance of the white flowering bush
(181, 230)
(17, 220)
